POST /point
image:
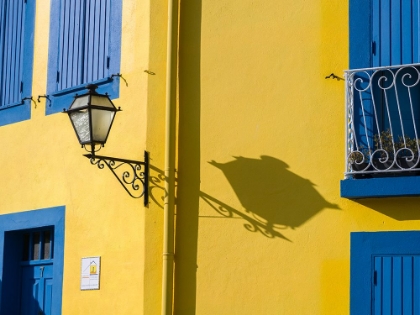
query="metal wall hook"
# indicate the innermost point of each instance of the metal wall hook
(29, 98)
(333, 76)
(119, 75)
(44, 96)
(149, 72)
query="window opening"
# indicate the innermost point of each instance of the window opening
(37, 245)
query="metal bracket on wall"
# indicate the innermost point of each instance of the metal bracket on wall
(132, 175)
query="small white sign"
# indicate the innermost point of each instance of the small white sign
(91, 268)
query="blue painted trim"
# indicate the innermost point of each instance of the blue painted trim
(380, 187)
(13, 114)
(59, 100)
(365, 245)
(34, 219)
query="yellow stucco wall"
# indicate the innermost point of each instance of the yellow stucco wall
(260, 225)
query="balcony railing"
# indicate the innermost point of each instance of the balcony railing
(383, 121)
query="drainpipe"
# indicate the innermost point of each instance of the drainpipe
(170, 158)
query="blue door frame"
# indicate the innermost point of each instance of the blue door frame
(10, 227)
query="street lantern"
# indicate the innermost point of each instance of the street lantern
(92, 115)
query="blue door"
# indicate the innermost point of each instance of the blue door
(36, 273)
(36, 289)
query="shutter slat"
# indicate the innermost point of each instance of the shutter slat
(106, 38)
(397, 286)
(378, 286)
(415, 34)
(62, 44)
(385, 32)
(71, 45)
(95, 38)
(2, 32)
(407, 32)
(89, 29)
(387, 286)
(376, 33)
(78, 44)
(101, 39)
(416, 285)
(395, 32)
(407, 289)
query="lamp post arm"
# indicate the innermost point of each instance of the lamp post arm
(132, 175)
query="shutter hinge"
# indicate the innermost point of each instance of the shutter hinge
(375, 277)
(21, 86)
(373, 47)
(58, 76)
(107, 62)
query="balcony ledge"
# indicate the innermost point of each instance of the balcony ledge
(380, 187)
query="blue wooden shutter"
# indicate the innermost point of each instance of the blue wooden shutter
(395, 32)
(83, 42)
(396, 285)
(11, 51)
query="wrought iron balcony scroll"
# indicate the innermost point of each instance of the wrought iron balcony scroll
(132, 175)
(383, 121)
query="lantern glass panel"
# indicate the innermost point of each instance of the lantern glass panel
(101, 124)
(101, 101)
(80, 102)
(80, 121)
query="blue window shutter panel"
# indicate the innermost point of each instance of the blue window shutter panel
(17, 22)
(395, 26)
(397, 284)
(85, 46)
(11, 62)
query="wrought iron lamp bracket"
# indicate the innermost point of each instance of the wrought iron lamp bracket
(132, 175)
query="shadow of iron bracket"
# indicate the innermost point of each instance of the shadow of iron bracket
(132, 175)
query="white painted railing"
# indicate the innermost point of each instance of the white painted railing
(382, 121)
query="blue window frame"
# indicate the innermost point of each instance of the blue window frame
(17, 23)
(13, 228)
(385, 273)
(383, 33)
(85, 44)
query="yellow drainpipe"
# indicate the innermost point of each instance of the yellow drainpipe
(170, 154)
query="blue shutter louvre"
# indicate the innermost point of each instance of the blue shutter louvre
(395, 27)
(396, 285)
(83, 46)
(11, 51)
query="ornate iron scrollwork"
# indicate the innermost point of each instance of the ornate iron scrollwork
(132, 175)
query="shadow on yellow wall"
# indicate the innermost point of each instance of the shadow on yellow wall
(274, 198)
